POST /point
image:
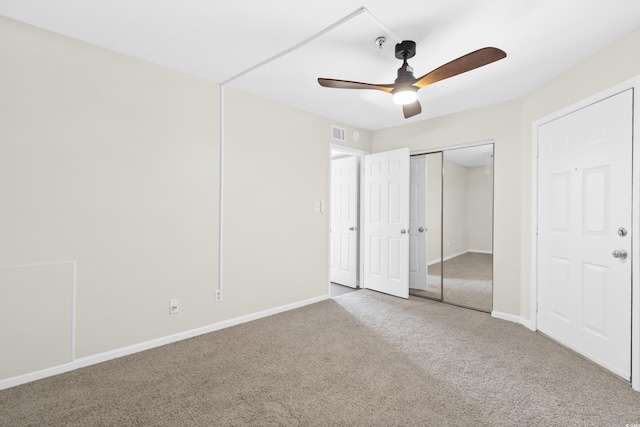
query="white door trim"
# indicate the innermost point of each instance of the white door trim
(633, 83)
(356, 153)
(453, 147)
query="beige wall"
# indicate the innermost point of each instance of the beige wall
(112, 163)
(110, 177)
(480, 208)
(277, 165)
(467, 211)
(455, 235)
(468, 208)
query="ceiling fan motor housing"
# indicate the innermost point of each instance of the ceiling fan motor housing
(406, 50)
(405, 74)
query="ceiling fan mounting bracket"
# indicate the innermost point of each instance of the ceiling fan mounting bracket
(381, 41)
(406, 50)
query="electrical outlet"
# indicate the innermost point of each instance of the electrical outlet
(218, 296)
(174, 306)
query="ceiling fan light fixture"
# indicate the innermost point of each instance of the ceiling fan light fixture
(406, 95)
(405, 88)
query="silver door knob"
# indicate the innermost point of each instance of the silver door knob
(403, 231)
(619, 253)
(421, 229)
(351, 228)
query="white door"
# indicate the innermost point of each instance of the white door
(344, 221)
(584, 199)
(417, 224)
(386, 222)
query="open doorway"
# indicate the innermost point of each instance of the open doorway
(374, 249)
(345, 223)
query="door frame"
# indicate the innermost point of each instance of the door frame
(360, 154)
(633, 83)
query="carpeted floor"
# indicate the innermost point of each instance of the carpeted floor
(364, 359)
(468, 281)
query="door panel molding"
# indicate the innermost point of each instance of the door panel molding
(360, 154)
(344, 221)
(386, 222)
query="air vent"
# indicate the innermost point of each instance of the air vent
(338, 134)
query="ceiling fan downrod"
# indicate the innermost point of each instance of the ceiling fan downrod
(404, 51)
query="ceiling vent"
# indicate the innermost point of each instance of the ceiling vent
(338, 134)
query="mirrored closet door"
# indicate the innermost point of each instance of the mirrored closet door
(425, 228)
(457, 201)
(467, 237)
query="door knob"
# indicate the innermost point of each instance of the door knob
(351, 228)
(403, 231)
(619, 253)
(421, 229)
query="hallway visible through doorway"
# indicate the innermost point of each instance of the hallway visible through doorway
(338, 290)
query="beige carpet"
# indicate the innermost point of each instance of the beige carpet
(468, 281)
(364, 359)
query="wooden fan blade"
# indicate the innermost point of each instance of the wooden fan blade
(346, 84)
(465, 63)
(412, 109)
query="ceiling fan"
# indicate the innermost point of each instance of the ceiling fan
(405, 88)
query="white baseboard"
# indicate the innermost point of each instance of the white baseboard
(512, 318)
(447, 258)
(147, 345)
(481, 251)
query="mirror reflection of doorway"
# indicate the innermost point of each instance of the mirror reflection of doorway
(459, 232)
(425, 227)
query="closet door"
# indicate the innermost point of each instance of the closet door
(467, 267)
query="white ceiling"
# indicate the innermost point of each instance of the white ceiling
(219, 40)
(471, 157)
